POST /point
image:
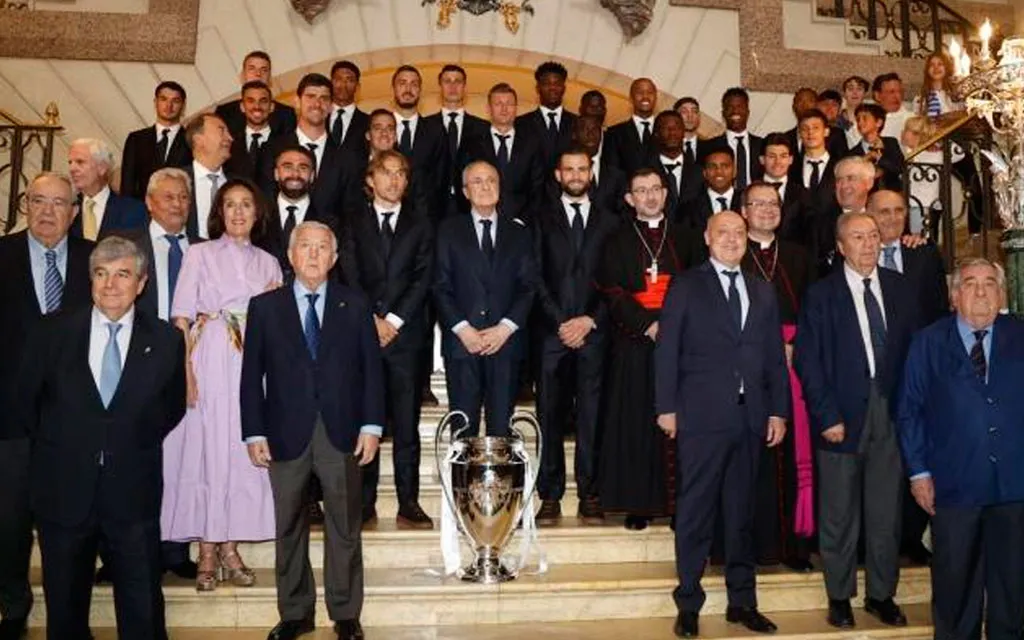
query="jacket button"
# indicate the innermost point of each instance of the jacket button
(993, 430)
(993, 459)
(484, 312)
(990, 400)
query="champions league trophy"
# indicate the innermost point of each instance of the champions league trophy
(488, 486)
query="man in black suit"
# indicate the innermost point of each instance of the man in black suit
(44, 270)
(518, 157)
(882, 151)
(722, 391)
(347, 124)
(387, 253)
(815, 170)
(718, 193)
(246, 148)
(256, 66)
(569, 235)
(745, 146)
(777, 160)
(550, 124)
(312, 402)
(608, 185)
(90, 165)
(210, 141)
(631, 142)
(461, 128)
(805, 100)
(483, 289)
(851, 342)
(424, 142)
(100, 387)
(593, 103)
(162, 145)
(294, 175)
(668, 157)
(689, 108)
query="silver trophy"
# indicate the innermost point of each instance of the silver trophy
(486, 487)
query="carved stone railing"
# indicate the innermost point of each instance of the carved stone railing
(23, 145)
(904, 28)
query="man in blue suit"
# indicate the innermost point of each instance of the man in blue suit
(100, 210)
(723, 392)
(851, 340)
(961, 426)
(312, 401)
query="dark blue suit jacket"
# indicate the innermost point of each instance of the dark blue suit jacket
(701, 356)
(830, 357)
(968, 434)
(283, 389)
(467, 288)
(122, 214)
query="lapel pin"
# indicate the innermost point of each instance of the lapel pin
(148, 349)
(341, 304)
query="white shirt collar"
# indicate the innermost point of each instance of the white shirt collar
(732, 135)
(172, 130)
(823, 159)
(567, 201)
(379, 210)
(413, 119)
(264, 132)
(305, 140)
(157, 232)
(727, 195)
(99, 320)
(100, 198)
(445, 112)
(557, 111)
(652, 223)
(639, 121)
(511, 133)
(302, 206)
(665, 160)
(856, 280)
(720, 267)
(201, 172)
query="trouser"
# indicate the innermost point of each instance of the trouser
(488, 382)
(15, 529)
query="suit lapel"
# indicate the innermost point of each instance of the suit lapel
(333, 305)
(136, 363)
(288, 307)
(848, 310)
(714, 285)
(28, 284)
(81, 358)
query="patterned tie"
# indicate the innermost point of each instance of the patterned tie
(254, 144)
(174, 256)
(453, 134)
(815, 174)
(162, 147)
(486, 243)
(889, 258)
(405, 143)
(978, 355)
(876, 325)
(53, 284)
(110, 367)
(311, 325)
(742, 170)
(735, 306)
(387, 233)
(502, 152)
(289, 223)
(89, 226)
(578, 229)
(645, 137)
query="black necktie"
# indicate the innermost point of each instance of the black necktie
(387, 234)
(741, 164)
(673, 182)
(978, 355)
(691, 157)
(735, 306)
(338, 130)
(289, 222)
(405, 143)
(161, 147)
(815, 174)
(876, 325)
(723, 204)
(645, 137)
(552, 125)
(502, 152)
(578, 229)
(453, 134)
(486, 244)
(312, 146)
(254, 144)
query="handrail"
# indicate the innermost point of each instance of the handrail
(962, 118)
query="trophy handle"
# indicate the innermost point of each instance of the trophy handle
(513, 426)
(446, 425)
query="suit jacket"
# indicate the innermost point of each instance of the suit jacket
(565, 286)
(755, 149)
(139, 161)
(467, 288)
(149, 299)
(533, 125)
(690, 187)
(472, 129)
(924, 270)
(397, 282)
(245, 164)
(696, 212)
(522, 181)
(701, 357)
(355, 136)
(890, 162)
(283, 389)
(192, 223)
(274, 242)
(282, 119)
(21, 310)
(327, 192)
(624, 149)
(612, 185)
(430, 166)
(968, 434)
(797, 223)
(121, 214)
(831, 359)
(87, 458)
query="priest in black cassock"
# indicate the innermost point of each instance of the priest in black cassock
(784, 501)
(636, 473)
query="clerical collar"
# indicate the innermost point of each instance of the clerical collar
(761, 244)
(652, 223)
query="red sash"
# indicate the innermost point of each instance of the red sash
(653, 295)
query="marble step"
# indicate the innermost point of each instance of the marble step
(793, 625)
(428, 466)
(566, 593)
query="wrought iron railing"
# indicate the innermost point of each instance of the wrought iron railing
(23, 145)
(904, 28)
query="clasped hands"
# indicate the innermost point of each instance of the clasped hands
(366, 449)
(574, 331)
(775, 433)
(386, 332)
(484, 342)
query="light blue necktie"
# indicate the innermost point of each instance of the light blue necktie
(53, 284)
(889, 258)
(110, 369)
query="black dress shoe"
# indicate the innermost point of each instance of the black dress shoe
(316, 513)
(590, 511)
(801, 565)
(104, 575)
(348, 630)
(369, 515)
(549, 514)
(13, 628)
(686, 625)
(412, 516)
(750, 618)
(288, 629)
(187, 570)
(840, 614)
(637, 523)
(887, 611)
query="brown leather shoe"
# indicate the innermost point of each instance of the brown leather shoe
(550, 513)
(590, 511)
(412, 516)
(429, 399)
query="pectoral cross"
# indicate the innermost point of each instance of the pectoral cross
(653, 271)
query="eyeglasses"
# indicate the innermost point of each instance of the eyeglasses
(763, 204)
(40, 202)
(643, 192)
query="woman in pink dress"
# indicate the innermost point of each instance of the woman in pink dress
(212, 492)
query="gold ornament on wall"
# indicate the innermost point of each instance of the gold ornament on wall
(510, 10)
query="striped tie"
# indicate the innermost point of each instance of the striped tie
(53, 284)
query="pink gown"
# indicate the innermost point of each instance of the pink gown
(212, 491)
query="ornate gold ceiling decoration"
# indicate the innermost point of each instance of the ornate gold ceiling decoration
(510, 10)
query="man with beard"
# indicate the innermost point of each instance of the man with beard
(550, 124)
(630, 142)
(162, 145)
(668, 158)
(593, 103)
(347, 123)
(210, 141)
(637, 264)
(745, 146)
(569, 235)
(784, 523)
(387, 253)
(256, 67)
(422, 141)
(689, 109)
(257, 106)
(607, 182)
(719, 193)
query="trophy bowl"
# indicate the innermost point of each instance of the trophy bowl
(486, 489)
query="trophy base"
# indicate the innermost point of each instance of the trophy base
(487, 570)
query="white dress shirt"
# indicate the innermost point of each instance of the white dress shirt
(570, 213)
(379, 209)
(99, 334)
(897, 254)
(595, 166)
(730, 137)
(204, 199)
(161, 251)
(716, 206)
(321, 144)
(856, 283)
(302, 206)
(894, 122)
(264, 135)
(511, 133)
(808, 168)
(99, 205)
(677, 170)
(544, 111)
(345, 113)
(782, 182)
(460, 119)
(172, 133)
(413, 121)
(638, 122)
(741, 286)
(479, 229)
